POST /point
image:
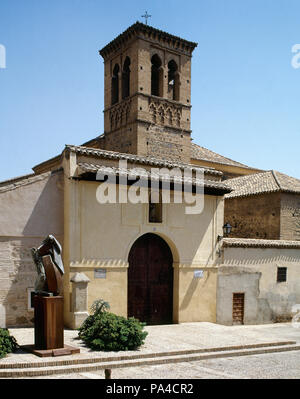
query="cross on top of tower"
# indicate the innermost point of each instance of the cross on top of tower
(146, 16)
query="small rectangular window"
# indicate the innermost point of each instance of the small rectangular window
(281, 274)
(155, 207)
(155, 213)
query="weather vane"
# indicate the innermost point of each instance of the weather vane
(146, 16)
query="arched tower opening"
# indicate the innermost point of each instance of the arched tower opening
(126, 79)
(173, 81)
(156, 76)
(115, 85)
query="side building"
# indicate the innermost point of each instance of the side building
(264, 205)
(261, 263)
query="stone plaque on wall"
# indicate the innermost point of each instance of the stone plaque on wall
(100, 273)
(198, 273)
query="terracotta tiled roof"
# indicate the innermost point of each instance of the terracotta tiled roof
(15, 179)
(197, 152)
(139, 159)
(260, 183)
(144, 174)
(254, 243)
(203, 154)
(26, 180)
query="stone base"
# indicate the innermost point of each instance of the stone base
(78, 319)
(66, 350)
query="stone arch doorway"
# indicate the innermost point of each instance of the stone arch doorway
(150, 280)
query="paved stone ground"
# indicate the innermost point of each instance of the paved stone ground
(266, 366)
(189, 336)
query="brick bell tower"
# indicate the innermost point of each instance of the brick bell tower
(147, 96)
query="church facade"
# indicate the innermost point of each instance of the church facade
(148, 258)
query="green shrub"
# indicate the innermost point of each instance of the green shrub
(108, 332)
(8, 343)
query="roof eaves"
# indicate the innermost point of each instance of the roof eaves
(49, 162)
(93, 168)
(241, 195)
(25, 182)
(137, 158)
(15, 179)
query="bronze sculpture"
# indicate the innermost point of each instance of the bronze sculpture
(48, 260)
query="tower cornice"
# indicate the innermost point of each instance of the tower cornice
(140, 30)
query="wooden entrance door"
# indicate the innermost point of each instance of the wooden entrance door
(150, 280)
(238, 303)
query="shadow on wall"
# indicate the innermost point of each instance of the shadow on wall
(194, 284)
(47, 215)
(189, 294)
(42, 203)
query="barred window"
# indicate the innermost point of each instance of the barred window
(281, 274)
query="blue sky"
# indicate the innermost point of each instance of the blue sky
(245, 92)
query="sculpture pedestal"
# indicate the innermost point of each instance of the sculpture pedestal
(49, 310)
(48, 322)
(49, 328)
